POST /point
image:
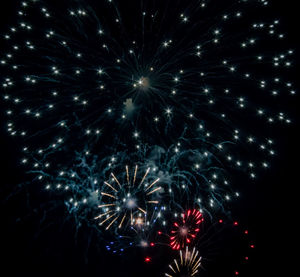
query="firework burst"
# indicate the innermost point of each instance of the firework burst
(127, 202)
(187, 264)
(91, 80)
(185, 231)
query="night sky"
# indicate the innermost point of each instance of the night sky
(39, 238)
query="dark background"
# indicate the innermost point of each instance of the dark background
(32, 246)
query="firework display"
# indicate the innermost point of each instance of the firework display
(144, 117)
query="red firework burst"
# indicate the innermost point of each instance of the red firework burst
(185, 231)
